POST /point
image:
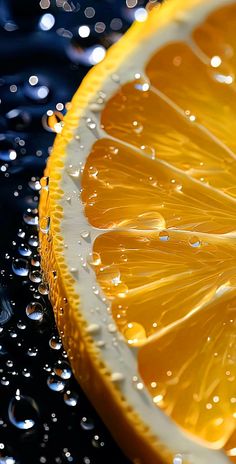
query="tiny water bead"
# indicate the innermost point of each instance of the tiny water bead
(55, 343)
(35, 311)
(87, 423)
(71, 398)
(194, 242)
(164, 236)
(63, 370)
(23, 412)
(31, 217)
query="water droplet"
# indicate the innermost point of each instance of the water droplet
(23, 412)
(115, 78)
(178, 459)
(70, 398)
(26, 374)
(44, 182)
(21, 325)
(20, 267)
(117, 377)
(134, 333)
(149, 151)
(44, 224)
(32, 352)
(43, 288)
(93, 172)
(164, 236)
(24, 250)
(85, 234)
(112, 328)
(194, 242)
(35, 261)
(35, 276)
(34, 311)
(63, 370)
(53, 121)
(55, 343)
(87, 423)
(34, 184)
(141, 83)
(21, 233)
(74, 171)
(33, 241)
(55, 383)
(223, 79)
(91, 124)
(31, 217)
(93, 328)
(137, 127)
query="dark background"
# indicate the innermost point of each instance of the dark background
(44, 416)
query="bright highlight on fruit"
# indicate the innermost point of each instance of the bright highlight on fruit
(138, 234)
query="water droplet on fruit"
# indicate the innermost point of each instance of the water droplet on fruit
(43, 288)
(134, 333)
(194, 242)
(164, 236)
(44, 182)
(149, 151)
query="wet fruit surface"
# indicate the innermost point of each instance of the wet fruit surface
(162, 183)
(46, 49)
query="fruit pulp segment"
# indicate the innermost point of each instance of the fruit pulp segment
(162, 186)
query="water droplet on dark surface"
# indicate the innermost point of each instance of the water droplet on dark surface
(20, 267)
(71, 398)
(63, 370)
(35, 311)
(24, 250)
(55, 383)
(23, 412)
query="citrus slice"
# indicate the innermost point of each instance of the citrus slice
(138, 235)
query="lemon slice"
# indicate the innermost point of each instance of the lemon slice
(138, 233)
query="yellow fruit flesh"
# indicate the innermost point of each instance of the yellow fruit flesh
(163, 183)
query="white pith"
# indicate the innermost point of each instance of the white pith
(120, 358)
